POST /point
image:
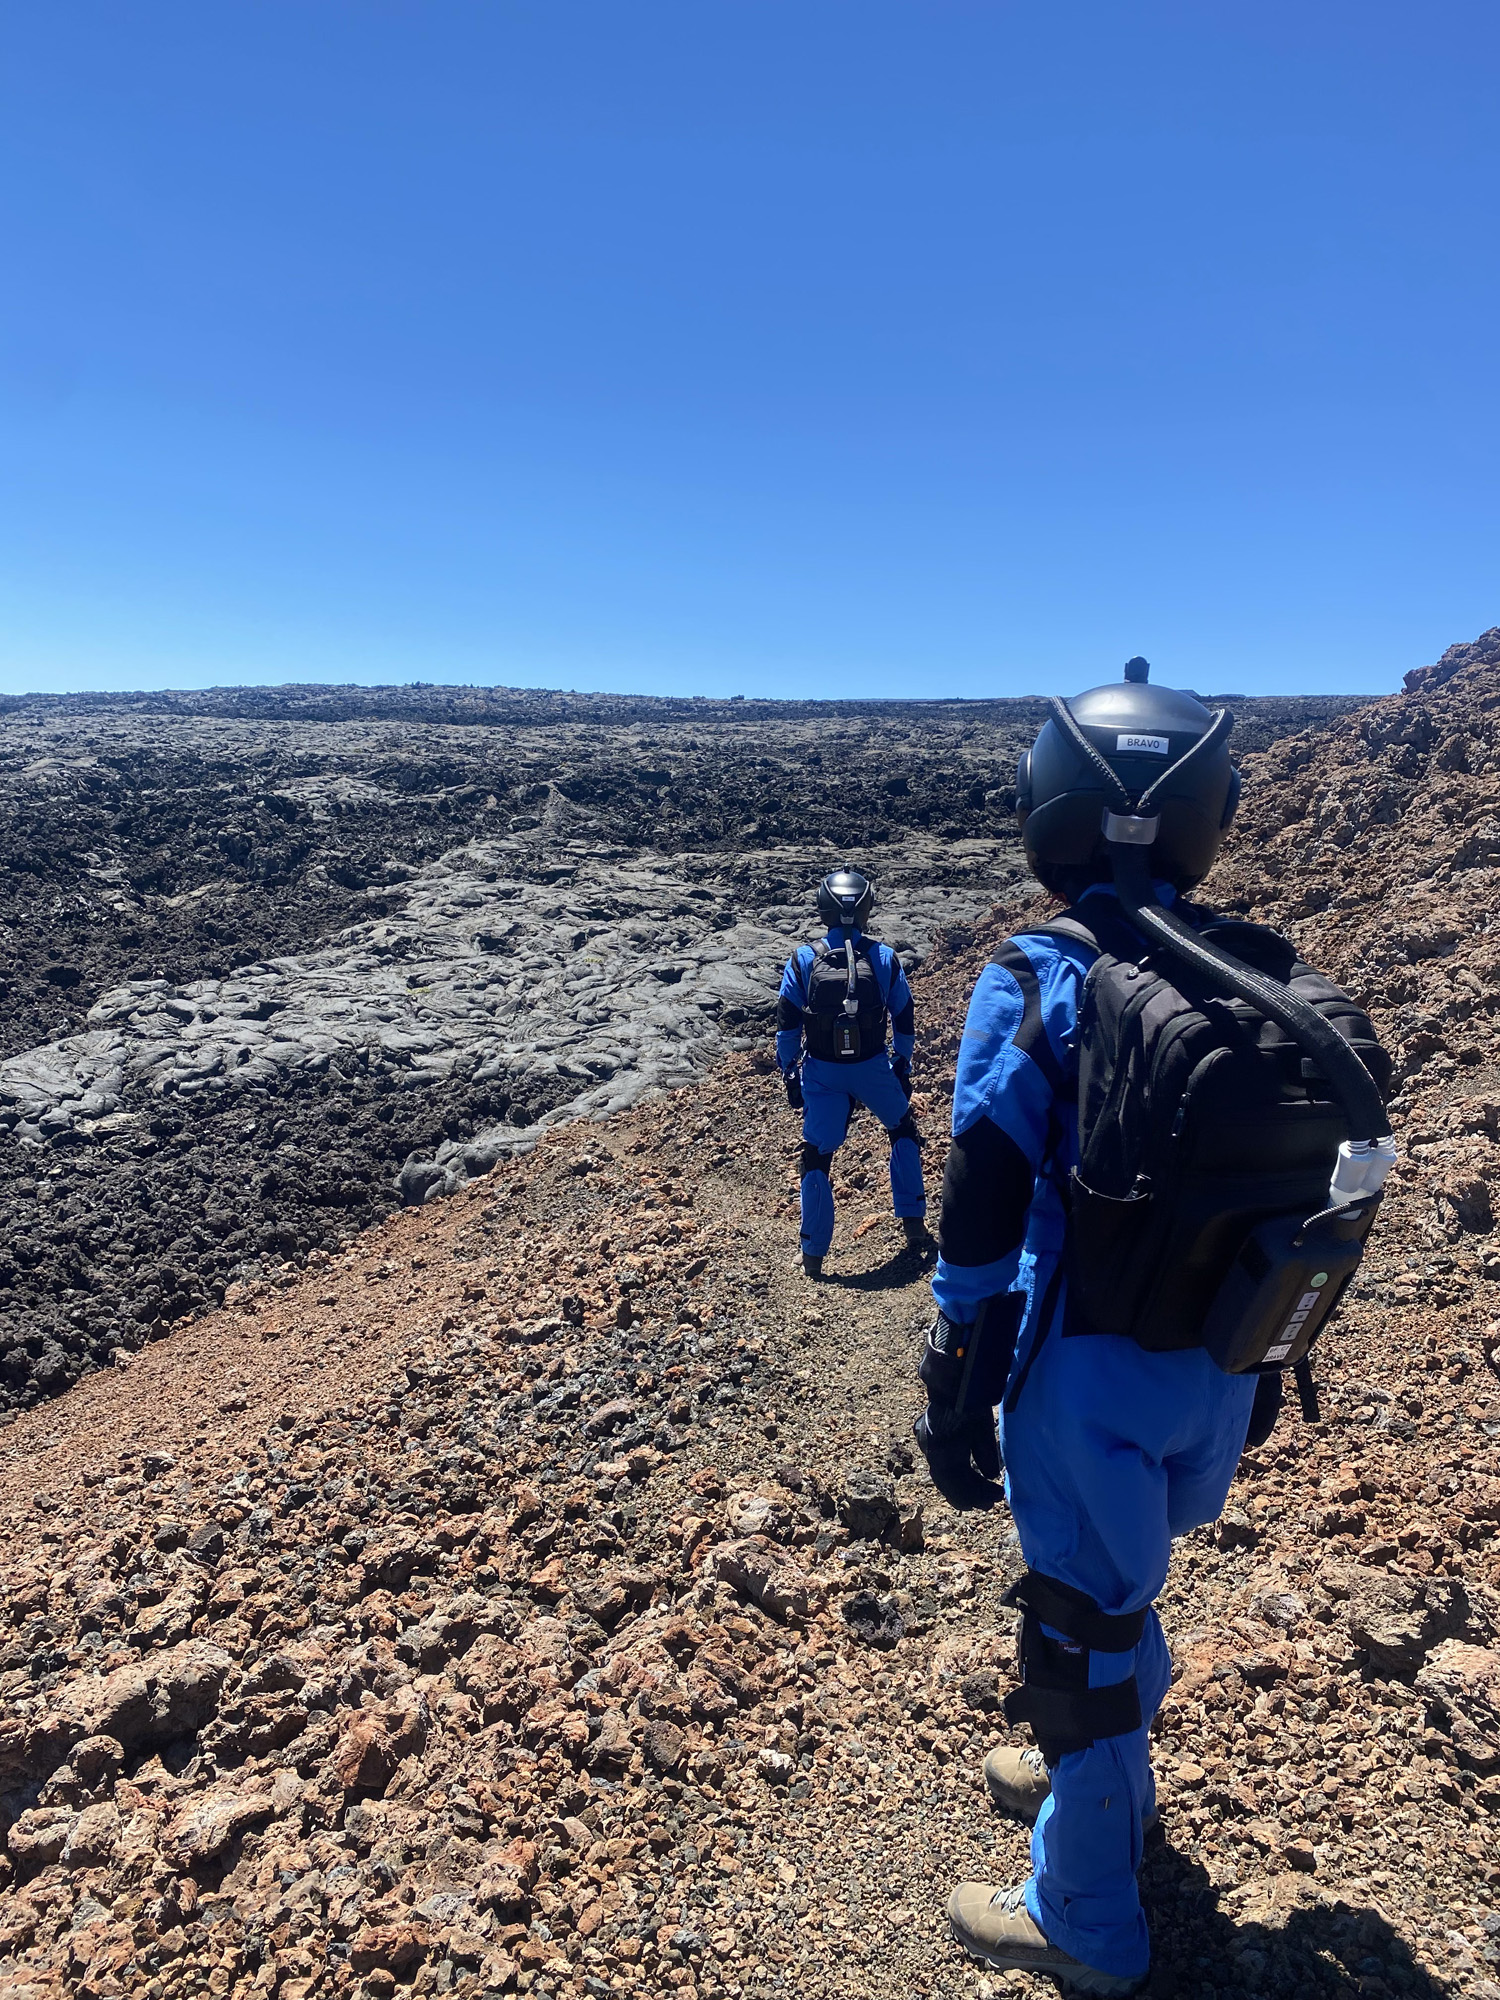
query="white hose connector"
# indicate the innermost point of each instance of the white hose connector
(1130, 829)
(1361, 1169)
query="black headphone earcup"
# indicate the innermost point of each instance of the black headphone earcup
(1232, 803)
(1023, 783)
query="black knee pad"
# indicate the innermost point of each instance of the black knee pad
(1064, 1713)
(814, 1162)
(907, 1129)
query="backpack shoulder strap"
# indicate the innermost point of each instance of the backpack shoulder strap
(1070, 926)
(1101, 925)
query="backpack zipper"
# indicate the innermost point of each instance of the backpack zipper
(1195, 1077)
(1128, 1018)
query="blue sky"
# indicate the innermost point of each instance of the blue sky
(718, 347)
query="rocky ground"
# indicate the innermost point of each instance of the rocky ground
(538, 1594)
(277, 960)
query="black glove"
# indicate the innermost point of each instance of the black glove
(955, 1445)
(793, 1080)
(964, 1370)
(902, 1069)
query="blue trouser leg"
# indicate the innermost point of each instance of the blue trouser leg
(1109, 1453)
(908, 1196)
(826, 1109)
(879, 1089)
(817, 1213)
(829, 1091)
(1086, 1844)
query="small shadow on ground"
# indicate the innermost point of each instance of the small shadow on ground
(904, 1268)
(1324, 1951)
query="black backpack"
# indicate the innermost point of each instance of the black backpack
(833, 1033)
(1206, 1137)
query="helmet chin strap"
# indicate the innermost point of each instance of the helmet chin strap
(1130, 828)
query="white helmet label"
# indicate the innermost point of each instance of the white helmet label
(1155, 746)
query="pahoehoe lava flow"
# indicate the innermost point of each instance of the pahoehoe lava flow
(278, 960)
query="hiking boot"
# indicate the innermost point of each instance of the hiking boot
(996, 1926)
(914, 1228)
(812, 1266)
(1019, 1781)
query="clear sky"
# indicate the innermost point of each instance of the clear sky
(761, 346)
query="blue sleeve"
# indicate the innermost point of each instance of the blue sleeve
(1013, 1060)
(789, 1005)
(903, 1014)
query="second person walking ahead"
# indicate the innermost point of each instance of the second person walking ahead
(840, 1001)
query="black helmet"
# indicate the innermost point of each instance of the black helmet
(846, 899)
(1153, 755)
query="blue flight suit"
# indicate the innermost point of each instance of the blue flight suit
(831, 1089)
(1109, 1451)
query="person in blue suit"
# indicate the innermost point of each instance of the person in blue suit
(841, 1001)
(1109, 1451)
